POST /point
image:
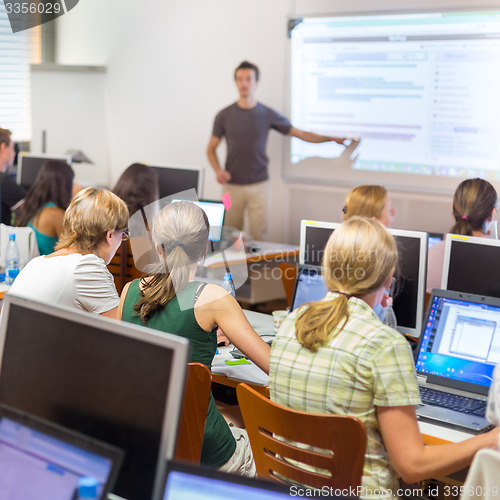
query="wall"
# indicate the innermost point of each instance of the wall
(169, 70)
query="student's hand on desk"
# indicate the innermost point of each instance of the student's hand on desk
(221, 338)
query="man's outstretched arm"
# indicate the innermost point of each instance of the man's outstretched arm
(222, 175)
(313, 137)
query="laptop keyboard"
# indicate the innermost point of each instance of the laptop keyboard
(461, 404)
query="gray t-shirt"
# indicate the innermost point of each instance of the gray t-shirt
(246, 132)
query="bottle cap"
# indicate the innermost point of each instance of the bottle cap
(12, 236)
(12, 273)
(87, 487)
(2, 276)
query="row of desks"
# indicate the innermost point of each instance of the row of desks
(263, 324)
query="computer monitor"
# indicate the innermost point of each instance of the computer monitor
(471, 265)
(409, 298)
(185, 481)
(38, 456)
(173, 180)
(29, 164)
(313, 238)
(113, 381)
(215, 211)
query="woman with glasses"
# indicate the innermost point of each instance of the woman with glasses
(75, 275)
(45, 203)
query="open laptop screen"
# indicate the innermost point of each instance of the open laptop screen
(40, 459)
(215, 213)
(309, 286)
(461, 340)
(189, 482)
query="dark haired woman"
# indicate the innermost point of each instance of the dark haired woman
(474, 206)
(171, 301)
(137, 186)
(45, 203)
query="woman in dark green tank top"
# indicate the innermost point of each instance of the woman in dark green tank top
(169, 300)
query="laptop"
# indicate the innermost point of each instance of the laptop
(39, 459)
(191, 482)
(309, 286)
(457, 353)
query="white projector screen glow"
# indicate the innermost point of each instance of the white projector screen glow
(422, 91)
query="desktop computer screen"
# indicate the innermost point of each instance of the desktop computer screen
(409, 297)
(113, 381)
(313, 239)
(471, 265)
(175, 180)
(29, 164)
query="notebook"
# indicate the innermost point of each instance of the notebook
(45, 461)
(190, 482)
(457, 353)
(309, 286)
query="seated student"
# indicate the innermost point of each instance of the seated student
(373, 202)
(335, 356)
(45, 203)
(169, 300)
(11, 194)
(137, 186)
(370, 201)
(474, 206)
(75, 275)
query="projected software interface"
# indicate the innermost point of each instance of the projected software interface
(34, 465)
(421, 90)
(461, 341)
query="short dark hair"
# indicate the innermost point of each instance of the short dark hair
(5, 136)
(248, 65)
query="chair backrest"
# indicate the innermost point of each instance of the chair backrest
(339, 443)
(483, 478)
(26, 243)
(193, 413)
(288, 277)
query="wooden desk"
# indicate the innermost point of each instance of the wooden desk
(256, 274)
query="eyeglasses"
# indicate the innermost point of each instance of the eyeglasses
(125, 233)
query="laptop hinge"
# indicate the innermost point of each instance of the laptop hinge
(421, 379)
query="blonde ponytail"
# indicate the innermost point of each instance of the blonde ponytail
(359, 258)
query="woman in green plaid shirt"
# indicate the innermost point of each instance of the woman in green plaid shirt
(336, 356)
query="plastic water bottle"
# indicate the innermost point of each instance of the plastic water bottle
(389, 316)
(11, 260)
(87, 488)
(227, 283)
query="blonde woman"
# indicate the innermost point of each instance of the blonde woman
(75, 275)
(169, 300)
(370, 201)
(474, 206)
(335, 356)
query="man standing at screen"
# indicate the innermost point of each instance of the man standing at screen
(245, 125)
(11, 194)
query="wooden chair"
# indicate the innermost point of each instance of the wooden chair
(288, 276)
(342, 440)
(193, 413)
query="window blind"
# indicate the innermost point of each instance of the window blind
(15, 99)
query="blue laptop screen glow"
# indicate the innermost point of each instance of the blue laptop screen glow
(310, 288)
(34, 465)
(461, 341)
(183, 486)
